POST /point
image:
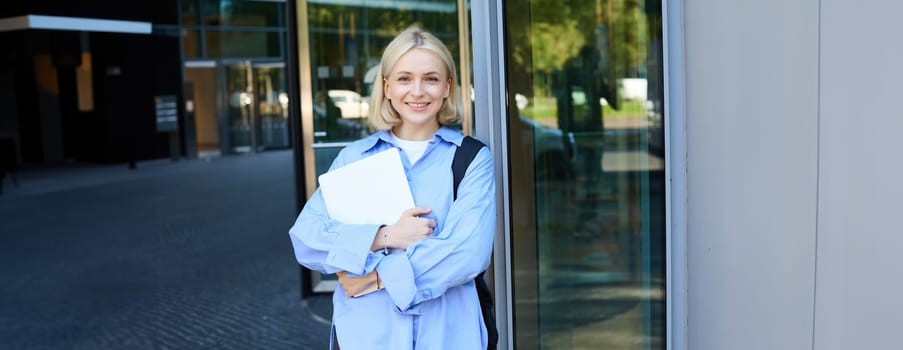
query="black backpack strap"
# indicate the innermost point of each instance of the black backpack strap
(463, 157)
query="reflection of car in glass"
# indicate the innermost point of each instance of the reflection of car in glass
(350, 102)
(330, 127)
(553, 150)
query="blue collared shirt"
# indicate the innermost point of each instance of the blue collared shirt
(429, 300)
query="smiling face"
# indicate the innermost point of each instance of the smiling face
(417, 87)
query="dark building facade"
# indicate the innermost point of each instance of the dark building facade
(111, 82)
(80, 80)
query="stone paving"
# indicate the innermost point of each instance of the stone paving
(191, 254)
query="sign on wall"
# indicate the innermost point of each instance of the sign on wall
(167, 110)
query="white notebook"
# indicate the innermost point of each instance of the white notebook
(373, 190)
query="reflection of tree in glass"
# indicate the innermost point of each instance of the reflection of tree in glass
(556, 44)
(617, 28)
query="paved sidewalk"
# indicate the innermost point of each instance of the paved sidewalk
(191, 254)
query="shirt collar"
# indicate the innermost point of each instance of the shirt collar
(450, 135)
(444, 133)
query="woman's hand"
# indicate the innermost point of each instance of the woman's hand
(357, 286)
(409, 228)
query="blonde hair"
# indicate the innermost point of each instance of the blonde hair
(382, 115)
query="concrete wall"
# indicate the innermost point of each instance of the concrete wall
(752, 172)
(794, 174)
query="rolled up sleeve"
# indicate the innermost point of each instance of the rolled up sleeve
(328, 246)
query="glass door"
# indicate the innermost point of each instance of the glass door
(271, 105)
(239, 107)
(240, 116)
(587, 185)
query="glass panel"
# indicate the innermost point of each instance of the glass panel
(346, 44)
(238, 108)
(272, 105)
(234, 43)
(243, 13)
(191, 43)
(189, 12)
(584, 79)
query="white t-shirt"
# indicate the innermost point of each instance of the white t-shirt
(413, 149)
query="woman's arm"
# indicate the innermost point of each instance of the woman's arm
(456, 254)
(408, 229)
(328, 246)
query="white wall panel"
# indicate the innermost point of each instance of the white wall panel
(860, 235)
(752, 114)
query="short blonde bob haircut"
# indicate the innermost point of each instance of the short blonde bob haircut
(382, 115)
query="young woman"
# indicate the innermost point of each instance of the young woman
(423, 266)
